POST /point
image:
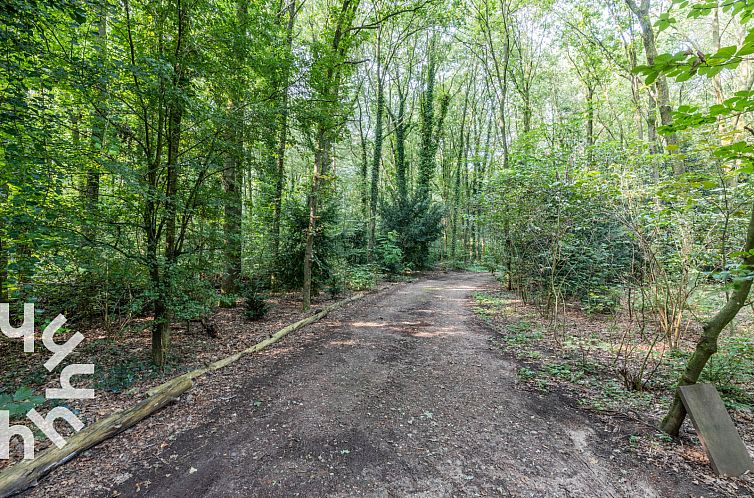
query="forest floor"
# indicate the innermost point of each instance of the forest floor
(403, 393)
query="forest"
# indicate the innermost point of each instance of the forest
(165, 161)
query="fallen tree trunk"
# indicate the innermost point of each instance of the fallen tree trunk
(217, 365)
(27, 473)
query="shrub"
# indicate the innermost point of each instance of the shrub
(336, 287)
(290, 262)
(361, 277)
(603, 299)
(733, 363)
(418, 223)
(388, 254)
(255, 305)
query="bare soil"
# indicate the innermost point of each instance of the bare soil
(400, 394)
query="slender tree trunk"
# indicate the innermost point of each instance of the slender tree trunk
(401, 129)
(635, 90)
(99, 134)
(461, 163)
(327, 131)
(641, 11)
(590, 117)
(526, 104)
(707, 345)
(162, 318)
(320, 164)
(232, 180)
(233, 207)
(426, 157)
(377, 157)
(3, 271)
(500, 63)
(282, 139)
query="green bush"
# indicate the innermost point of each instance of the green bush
(418, 223)
(336, 287)
(601, 300)
(388, 254)
(361, 277)
(123, 375)
(290, 263)
(733, 363)
(255, 305)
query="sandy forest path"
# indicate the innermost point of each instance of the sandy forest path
(398, 395)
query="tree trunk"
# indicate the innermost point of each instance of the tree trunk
(662, 100)
(162, 314)
(401, 129)
(377, 157)
(233, 209)
(3, 271)
(160, 330)
(282, 139)
(99, 135)
(320, 165)
(589, 122)
(707, 345)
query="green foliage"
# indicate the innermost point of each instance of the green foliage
(336, 287)
(525, 373)
(255, 306)
(289, 266)
(388, 254)
(126, 372)
(559, 236)
(123, 375)
(20, 402)
(417, 223)
(733, 364)
(602, 300)
(361, 277)
(564, 371)
(227, 300)
(192, 297)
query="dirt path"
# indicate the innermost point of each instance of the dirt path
(399, 396)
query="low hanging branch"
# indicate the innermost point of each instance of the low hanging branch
(27, 473)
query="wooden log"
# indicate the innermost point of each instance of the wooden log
(224, 362)
(27, 473)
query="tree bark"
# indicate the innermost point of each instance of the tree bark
(3, 271)
(27, 473)
(174, 108)
(641, 11)
(401, 131)
(321, 155)
(282, 138)
(233, 207)
(377, 156)
(99, 135)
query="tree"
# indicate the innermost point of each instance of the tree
(327, 78)
(682, 67)
(662, 97)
